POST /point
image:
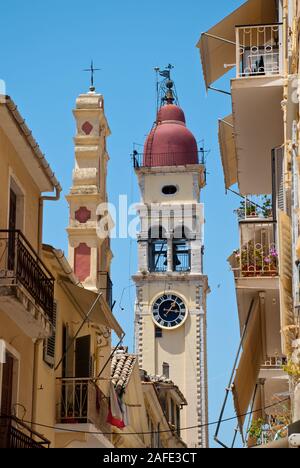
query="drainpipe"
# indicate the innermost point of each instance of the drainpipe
(55, 197)
(37, 342)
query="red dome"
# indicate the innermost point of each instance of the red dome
(170, 112)
(170, 143)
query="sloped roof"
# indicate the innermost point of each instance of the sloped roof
(161, 380)
(121, 368)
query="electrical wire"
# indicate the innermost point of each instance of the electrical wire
(158, 432)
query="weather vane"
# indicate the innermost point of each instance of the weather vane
(92, 71)
(165, 89)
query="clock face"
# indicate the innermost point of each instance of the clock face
(169, 311)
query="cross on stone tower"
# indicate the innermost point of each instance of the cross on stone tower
(92, 70)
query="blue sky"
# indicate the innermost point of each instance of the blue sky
(44, 48)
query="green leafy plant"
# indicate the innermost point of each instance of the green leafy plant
(256, 429)
(250, 209)
(267, 208)
(292, 369)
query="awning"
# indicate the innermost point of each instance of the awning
(249, 366)
(228, 151)
(84, 299)
(276, 444)
(285, 241)
(217, 46)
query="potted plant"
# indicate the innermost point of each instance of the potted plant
(267, 208)
(247, 209)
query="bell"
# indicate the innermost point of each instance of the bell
(177, 261)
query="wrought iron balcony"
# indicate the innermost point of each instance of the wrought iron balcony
(22, 270)
(259, 50)
(82, 402)
(15, 434)
(106, 286)
(257, 256)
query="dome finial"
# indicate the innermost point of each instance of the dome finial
(169, 96)
(166, 90)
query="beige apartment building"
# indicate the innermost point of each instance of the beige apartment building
(259, 144)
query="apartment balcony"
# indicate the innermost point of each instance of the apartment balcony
(259, 50)
(256, 272)
(15, 434)
(273, 368)
(26, 286)
(257, 95)
(257, 257)
(84, 407)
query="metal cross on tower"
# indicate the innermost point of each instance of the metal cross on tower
(92, 70)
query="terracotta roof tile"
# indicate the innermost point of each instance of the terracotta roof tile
(121, 369)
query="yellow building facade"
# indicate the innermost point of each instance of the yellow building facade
(26, 285)
(57, 364)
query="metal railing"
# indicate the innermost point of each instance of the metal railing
(158, 252)
(15, 434)
(253, 207)
(275, 362)
(258, 255)
(259, 50)
(20, 265)
(80, 402)
(106, 286)
(163, 159)
(181, 258)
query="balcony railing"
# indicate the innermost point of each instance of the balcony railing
(165, 159)
(259, 50)
(20, 266)
(257, 256)
(275, 362)
(82, 402)
(106, 286)
(254, 207)
(15, 434)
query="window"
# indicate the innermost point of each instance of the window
(178, 420)
(173, 422)
(166, 370)
(9, 380)
(158, 332)
(158, 255)
(169, 190)
(49, 344)
(16, 206)
(181, 256)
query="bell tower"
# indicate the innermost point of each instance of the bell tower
(89, 255)
(171, 288)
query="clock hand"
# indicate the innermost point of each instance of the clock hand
(167, 311)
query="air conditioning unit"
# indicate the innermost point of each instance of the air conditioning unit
(294, 435)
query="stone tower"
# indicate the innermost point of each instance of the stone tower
(171, 289)
(89, 255)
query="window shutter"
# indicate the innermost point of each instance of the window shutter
(279, 199)
(285, 283)
(49, 344)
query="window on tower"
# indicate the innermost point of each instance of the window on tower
(181, 255)
(158, 255)
(166, 370)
